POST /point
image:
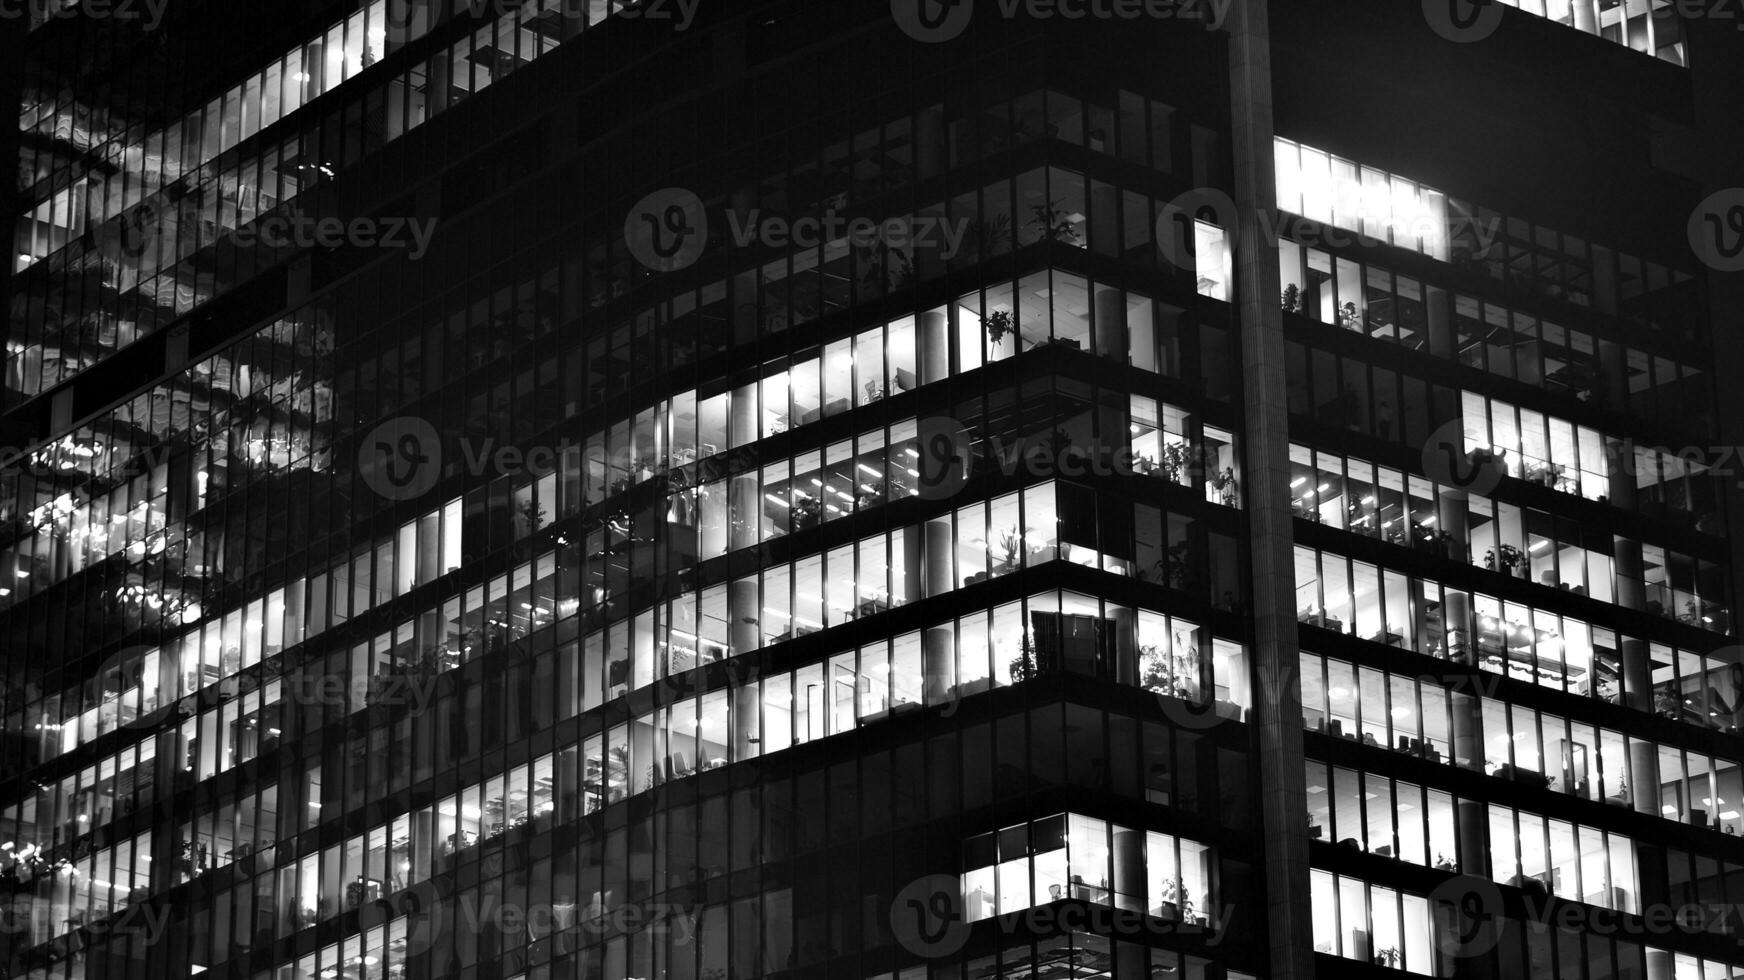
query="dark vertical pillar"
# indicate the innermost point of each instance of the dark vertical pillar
(743, 605)
(1472, 830)
(935, 346)
(1452, 517)
(1110, 323)
(1278, 713)
(1716, 77)
(940, 546)
(939, 655)
(747, 721)
(1438, 303)
(1457, 620)
(1630, 566)
(1637, 674)
(1129, 865)
(1468, 731)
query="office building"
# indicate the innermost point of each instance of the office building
(777, 489)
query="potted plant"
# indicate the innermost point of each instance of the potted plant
(1509, 559)
(1225, 485)
(992, 237)
(1010, 551)
(1389, 957)
(1024, 666)
(1153, 669)
(1177, 903)
(1185, 673)
(1176, 459)
(1053, 224)
(1292, 298)
(998, 324)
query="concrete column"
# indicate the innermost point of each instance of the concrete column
(1468, 731)
(935, 346)
(1453, 516)
(745, 609)
(939, 660)
(1129, 863)
(1472, 829)
(909, 581)
(1438, 304)
(746, 722)
(1620, 473)
(743, 510)
(1110, 327)
(939, 548)
(1637, 674)
(1644, 776)
(1631, 591)
(742, 418)
(1457, 620)
(423, 839)
(1283, 792)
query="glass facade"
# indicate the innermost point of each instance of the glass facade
(685, 661)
